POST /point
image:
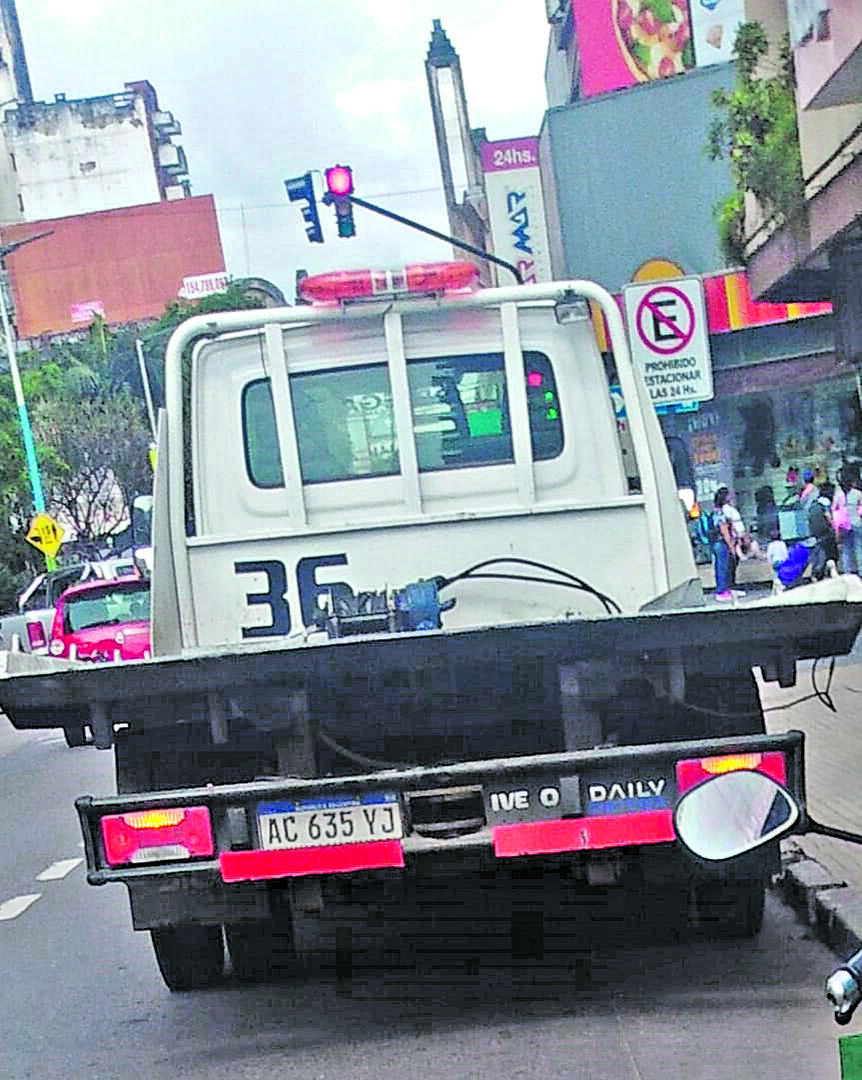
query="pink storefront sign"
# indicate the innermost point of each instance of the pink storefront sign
(84, 310)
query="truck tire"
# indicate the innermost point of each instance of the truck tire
(261, 951)
(730, 909)
(190, 957)
(75, 735)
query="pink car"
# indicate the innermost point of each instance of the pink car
(103, 621)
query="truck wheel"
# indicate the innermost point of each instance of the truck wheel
(260, 951)
(730, 909)
(75, 736)
(190, 957)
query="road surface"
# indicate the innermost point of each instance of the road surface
(81, 996)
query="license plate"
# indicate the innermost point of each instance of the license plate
(334, 820)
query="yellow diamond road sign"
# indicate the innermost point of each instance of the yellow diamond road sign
(46, 534)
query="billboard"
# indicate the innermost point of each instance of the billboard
(626, 42)
(516, 208)
(125, 265)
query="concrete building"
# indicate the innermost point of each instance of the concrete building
(14, 88)
(458, 148)
(819, 256)
(81, 156)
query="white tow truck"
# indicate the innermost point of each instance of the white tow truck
(418, 614)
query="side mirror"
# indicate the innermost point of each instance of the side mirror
(734, 813)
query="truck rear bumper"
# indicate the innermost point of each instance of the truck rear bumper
(544, 805)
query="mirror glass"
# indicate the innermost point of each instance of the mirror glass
(734, 813)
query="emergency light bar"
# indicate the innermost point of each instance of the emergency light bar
(362, 284)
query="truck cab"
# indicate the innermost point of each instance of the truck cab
(443, 433)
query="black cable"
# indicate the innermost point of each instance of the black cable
(356, 758)
(823, 696)
(571, 581)
(534, 580)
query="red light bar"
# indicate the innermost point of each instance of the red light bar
(157, 835)
(583, 834)
(416, 278)
(297, 862)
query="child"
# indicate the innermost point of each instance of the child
(787, 566)
(776, 549)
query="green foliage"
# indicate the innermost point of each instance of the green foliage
(755, 129)
(86, 402)
(96, 458)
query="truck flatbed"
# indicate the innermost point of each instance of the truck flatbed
(816, 620)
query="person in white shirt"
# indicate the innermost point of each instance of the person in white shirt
(726, 530)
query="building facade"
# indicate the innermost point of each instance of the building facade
(80, 156)
(630, 191)
(123, 265)
(14, 88)
(819, 255)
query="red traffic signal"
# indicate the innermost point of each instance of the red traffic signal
(339, 180)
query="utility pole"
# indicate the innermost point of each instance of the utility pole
(23, 415)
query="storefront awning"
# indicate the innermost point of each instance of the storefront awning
(729, 306)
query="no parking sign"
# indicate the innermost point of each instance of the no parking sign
(669, 339)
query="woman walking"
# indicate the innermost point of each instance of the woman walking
(841, 521)
(854, 512)
(723, 542)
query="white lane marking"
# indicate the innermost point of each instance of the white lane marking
(11, 909)
(59, 869)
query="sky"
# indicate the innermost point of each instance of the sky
(274, 88)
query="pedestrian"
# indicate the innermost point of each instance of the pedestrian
(841, 519)
(776, 549)
(854, 512)
(809, 491)
(725, 530)
(822, 530)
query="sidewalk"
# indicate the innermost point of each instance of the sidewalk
(823, 877)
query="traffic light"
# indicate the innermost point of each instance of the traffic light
(339, 188)
(299, 188)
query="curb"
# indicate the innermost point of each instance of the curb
(823, 901)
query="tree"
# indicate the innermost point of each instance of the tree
(86, 403)
(756, 130)
(96, 461)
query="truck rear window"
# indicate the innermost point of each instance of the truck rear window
(345, 425)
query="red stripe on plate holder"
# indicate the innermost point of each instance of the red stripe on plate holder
(583, 834)
(297, 862)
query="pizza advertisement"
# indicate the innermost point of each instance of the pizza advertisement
(626, 42)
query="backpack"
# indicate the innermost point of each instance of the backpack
(713, 527)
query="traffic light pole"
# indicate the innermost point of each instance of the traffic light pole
(438, 235)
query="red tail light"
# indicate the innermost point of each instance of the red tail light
(693, 771)
(157, 835)
(36, 635)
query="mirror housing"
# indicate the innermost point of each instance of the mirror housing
(731, 814)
